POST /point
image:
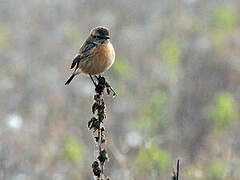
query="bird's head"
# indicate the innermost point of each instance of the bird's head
(100, 33)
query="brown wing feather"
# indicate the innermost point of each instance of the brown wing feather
(86, 51)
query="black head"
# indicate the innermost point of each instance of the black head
(100, 32)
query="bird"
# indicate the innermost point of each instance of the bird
(95, 56)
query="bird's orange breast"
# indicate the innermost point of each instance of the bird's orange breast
(103, 59)
(104, 53)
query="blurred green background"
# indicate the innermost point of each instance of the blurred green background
(177, 75)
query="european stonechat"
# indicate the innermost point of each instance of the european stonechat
(95, 56)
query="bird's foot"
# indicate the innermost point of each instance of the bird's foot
(93, 81)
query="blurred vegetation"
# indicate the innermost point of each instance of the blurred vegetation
(5, 38)
(152, 159)
(224, 112)
(171, 53)
(223, 23)
(72, 32)
(153, 115)
(225, 19)
(121, 68)
(216, 170)
(73, 150)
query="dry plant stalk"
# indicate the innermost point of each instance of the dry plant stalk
(96, 124)
(175, 175)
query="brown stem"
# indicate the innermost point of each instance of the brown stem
(96, 123)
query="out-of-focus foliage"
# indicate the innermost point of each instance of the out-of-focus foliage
(153, 114)
(216, 170)
(72, 32)
(5, 38)
(121, 68)
(194, 173)
(152, 159)
(73, 150)
(224, 112)
(223, 23)
(171, 53)
(176, 73)
(225, 19)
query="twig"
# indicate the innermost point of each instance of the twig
(175, 175)
(96, 123)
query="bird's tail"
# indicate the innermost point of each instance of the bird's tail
(70, 79)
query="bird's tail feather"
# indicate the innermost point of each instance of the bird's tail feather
(70, 79)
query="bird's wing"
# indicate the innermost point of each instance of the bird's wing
(85, 52)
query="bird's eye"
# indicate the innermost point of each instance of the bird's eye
(100, 37)
(95, 36)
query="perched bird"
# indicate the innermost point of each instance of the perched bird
(95, 56)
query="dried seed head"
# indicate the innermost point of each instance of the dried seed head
(95, 164)
(102, 129)
(102, 157)
(94, 123)
(95, 106)
(97, 172)
(101, 117)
